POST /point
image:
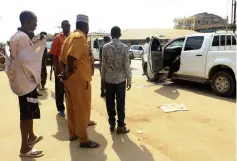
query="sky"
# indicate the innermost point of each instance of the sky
(104, 14)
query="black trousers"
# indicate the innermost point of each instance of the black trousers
(116, 91)
(43, 74)
(59, 94)
(174, 67)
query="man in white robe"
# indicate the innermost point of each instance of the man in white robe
(23, 67)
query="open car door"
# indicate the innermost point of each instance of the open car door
(155, 60)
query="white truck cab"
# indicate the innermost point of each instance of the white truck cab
(204, 57)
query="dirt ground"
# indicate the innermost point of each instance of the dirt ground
(204, 133)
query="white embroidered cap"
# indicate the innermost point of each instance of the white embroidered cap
(82, 18)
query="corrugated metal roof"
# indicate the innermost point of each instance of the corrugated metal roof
(141, 34)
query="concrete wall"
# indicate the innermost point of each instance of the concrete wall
(208, 19)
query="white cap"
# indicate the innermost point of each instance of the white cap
(82, 18)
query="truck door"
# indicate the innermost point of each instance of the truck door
(192, 57)
(155, 58)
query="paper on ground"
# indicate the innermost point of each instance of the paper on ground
(173, 107)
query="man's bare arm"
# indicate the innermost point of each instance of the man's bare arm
(70, 62)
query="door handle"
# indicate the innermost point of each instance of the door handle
(198, 55)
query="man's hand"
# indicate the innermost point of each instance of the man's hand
(64, 75)
(129, 87)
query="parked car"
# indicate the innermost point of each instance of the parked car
(136, 51)
(205, 58)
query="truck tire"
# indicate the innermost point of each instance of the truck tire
(223, 83)
(151, 76)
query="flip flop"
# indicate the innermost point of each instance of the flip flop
(33, 153)
(37, 139)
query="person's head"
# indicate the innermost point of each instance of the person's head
(147, 39)
(28, 21)
(106, 39)
(115, 32)
(43, 34)
(31, 35)
(82, 23)
(66, 26)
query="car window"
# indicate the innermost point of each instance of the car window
(194, 43)
(176, 43)
(228, 38)
(140, 48)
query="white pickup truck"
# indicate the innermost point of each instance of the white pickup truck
(205, 58)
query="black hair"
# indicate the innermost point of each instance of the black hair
(55, 34)
(115, 32)
(43, 33)
(26, 16)
(63, 22)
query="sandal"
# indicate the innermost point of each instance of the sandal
(37, 139)
(92, 123)
(33, 153)
(90, 145)
(73, 138)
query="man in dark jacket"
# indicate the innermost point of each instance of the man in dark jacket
(43, 67)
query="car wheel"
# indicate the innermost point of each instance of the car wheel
(151, 76)
(223, 83)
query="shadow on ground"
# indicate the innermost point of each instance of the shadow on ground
(28, 159)
(53, 95)
(127, 150)
(172, 90)
(75, 151)
(89, 154)
(62, 134)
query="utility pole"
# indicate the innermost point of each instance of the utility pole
(226, 27)
(59, 28)
(232, 7)
(234, 20)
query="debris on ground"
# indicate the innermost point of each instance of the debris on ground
(173, 107)
(140, 131)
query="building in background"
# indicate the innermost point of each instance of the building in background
(202, 22)
(138, 36)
